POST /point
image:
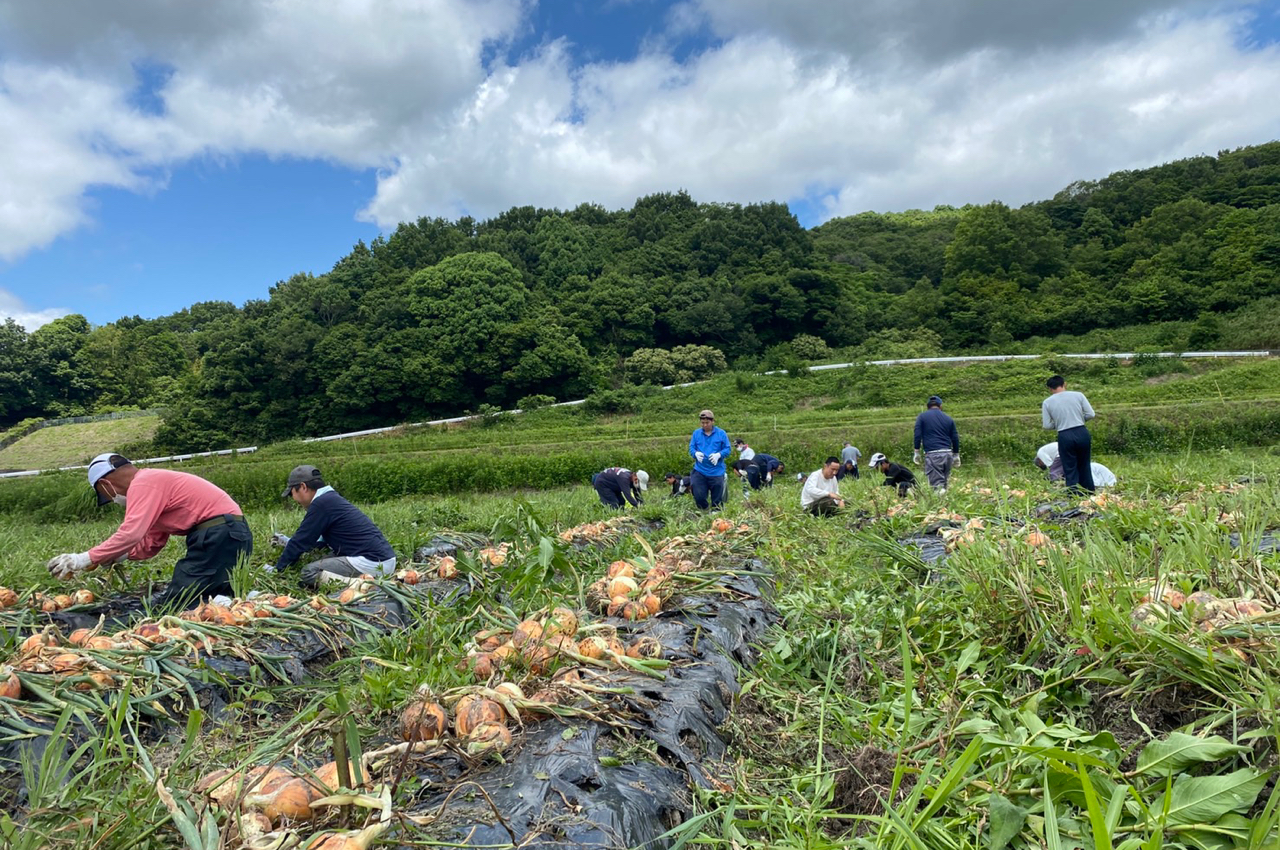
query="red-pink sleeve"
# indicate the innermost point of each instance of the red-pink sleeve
(134, 536)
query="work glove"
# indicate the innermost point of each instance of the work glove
(268, 568)
(715, 458)
(279, 539)
(955, 459)
(699, 456)
(64, 567)
(915, 457)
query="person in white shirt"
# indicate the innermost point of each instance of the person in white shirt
(1047, 458)
(821, 493)
(745, 452)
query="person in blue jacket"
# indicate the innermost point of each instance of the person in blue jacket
(768, 466)
(708, 446)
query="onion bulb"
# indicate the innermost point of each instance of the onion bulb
(10, 686)
(410, 577)
(100, 642)
(529, 630)
(645, 647)
(79, 637)
(622, 586)
(350, 840)
(8, 598)
(720, 525)
(422, 721)
(291, 800)
(635, 611)
(83, 596)
(1036, 539)
(652, 602)
(561, 621)
(488, 736)
(592, 647)
(621, 568)
(37, 642)
(509, 689)
(476, 712)
(447, 568)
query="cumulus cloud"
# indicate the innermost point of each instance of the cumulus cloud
(12, 307)
(876, 105)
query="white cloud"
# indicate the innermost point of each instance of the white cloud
(881, 105)
(12, 307)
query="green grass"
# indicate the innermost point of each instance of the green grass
(66, 445)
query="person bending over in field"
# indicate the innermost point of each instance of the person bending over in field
(849, 456)
(359, 547)
(1048, 458)
(615, 484)
(679, 484)
(821, 493)
(1066, 411)
(894, 475)
(769, 466)
(159, 503)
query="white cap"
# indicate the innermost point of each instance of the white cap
(642, 479)
(100, 466)
(878, 458)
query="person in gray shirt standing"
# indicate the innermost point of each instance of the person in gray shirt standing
(1066, 412)
(849, 460)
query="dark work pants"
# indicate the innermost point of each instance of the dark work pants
(823, 506)
(1075, 449)
(704, 486)
(608, 497)
(754, 477)
(205, 570)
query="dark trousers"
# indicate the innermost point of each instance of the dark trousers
(205, 570)
(704, 486)
(1075, 449)
(823, 506)
(608, 497)
(754, 477)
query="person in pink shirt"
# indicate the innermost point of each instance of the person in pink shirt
(159, 503)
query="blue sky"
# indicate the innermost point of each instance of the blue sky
(171, 157)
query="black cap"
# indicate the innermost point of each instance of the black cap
(934, 399)
(301, 475)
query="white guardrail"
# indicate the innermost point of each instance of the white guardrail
(979, 358)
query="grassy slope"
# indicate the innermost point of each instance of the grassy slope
(65, 445)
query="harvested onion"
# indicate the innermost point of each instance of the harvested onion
(8, 598)
(10, 686)
(422, 721)
(83, 597)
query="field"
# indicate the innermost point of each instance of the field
(1047, 684)
(67, 445)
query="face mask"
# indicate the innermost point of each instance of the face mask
(119, 499)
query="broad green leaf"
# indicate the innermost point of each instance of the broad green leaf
(1161, 758)
(968, 655)
(975, 726)
(1204, 799)
(1006, 821)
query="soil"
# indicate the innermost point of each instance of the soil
(1161, 711)
(864, 779)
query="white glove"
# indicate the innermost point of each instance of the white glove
(699, 456)
(715, 458)
(268, 568)
(955, 459)
(279, 539)
(64, 567)
(915, 457)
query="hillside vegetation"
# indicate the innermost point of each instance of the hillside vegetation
(76, 443)
(1146, 407)
(441, 316)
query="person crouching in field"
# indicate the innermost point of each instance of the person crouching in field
(359, 547)
(1048, 459)
(708, 446)
(820, 495)
(679, 484)
(849, 456)
(159, 503)
(894, 474)
(616, 484)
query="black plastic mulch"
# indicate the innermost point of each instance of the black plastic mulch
(583, 784)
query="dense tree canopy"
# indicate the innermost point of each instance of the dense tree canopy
(442, 316)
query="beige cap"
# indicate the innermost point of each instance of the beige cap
(706, 413)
